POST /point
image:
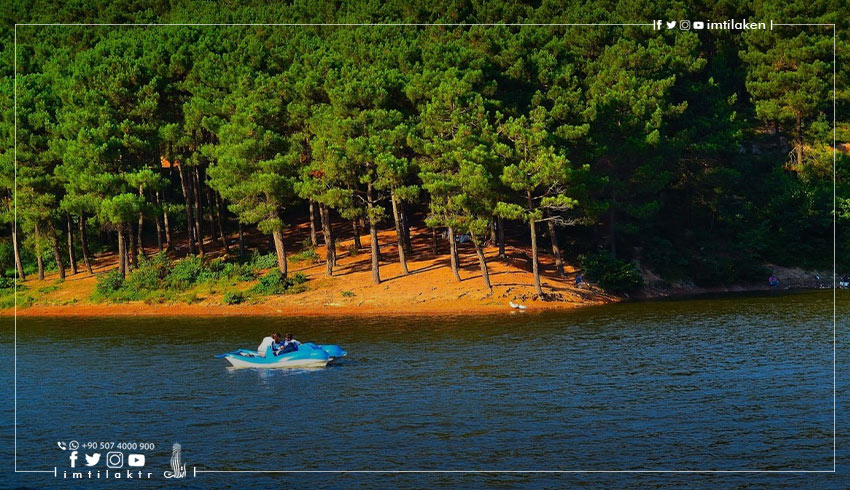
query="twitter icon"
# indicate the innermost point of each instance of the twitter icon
(93, 459)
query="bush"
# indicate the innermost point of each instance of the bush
(7, 283)
(150, 274)
(271, 283)
(239, 272)
(233, 298)
(109, 283)
(275, 283)
(308, 254)
(610, 273)
(262, 262)
(347, 294)
(186, 272)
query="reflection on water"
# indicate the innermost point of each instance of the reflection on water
(738, 383)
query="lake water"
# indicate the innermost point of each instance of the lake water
(735, 383)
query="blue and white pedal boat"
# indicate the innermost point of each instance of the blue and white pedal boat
(308, 355)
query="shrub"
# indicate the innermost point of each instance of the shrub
(191, 299)
(274, 283)
(353, 250)
(347, 294)
(7, 283)
(261, 262)
(239, 272)
(150, 273)
(271, 283)
(213, 270)
(610, 273)
(307, 254)
(233, 298)
(109, 283)
(186, 272)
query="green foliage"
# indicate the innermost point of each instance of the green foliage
(308, 254)
(109, 283)
(347, 294)
(672, 143)
(186, 272)
(274, 283)
(262, 262)
(612, 274)
(233, 297)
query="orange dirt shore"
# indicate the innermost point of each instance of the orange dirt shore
(429, 289)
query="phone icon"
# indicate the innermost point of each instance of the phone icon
(61, 445)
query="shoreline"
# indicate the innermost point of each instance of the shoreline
(429, 289)
(142, 310)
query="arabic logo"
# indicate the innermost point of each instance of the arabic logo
(178, 468)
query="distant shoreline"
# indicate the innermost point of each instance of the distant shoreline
(430, 290)
(138, 309)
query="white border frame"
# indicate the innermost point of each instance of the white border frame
(196, 471)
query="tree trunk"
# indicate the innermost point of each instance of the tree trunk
(131, 242)
(355, 225)
(19, 265)
(54, 242)
(188, 200)
(211, 208)
(482, 261)
(38, 252)
(241, 242)
(122, 256)
(220, 221)
(492, 228)
(167, 228)
(72, 256)
(141, 225)
(128, 246)
(501, 232)
(399, 232)
(199, 212)
(434, 241)
(313, 239)
(84, 242)
(535, 268)
(327, 232)
(280, 251)
(405, 229)
(373, 234)
(156, 220)
(453, 258)
(556, 249)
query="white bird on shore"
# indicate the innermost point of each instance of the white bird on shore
(517, 306)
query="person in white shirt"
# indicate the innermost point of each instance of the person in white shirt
(265, 344)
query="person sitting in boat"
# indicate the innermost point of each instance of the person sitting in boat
(265, 344)
(289, 345)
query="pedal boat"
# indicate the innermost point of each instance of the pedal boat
(308, 355)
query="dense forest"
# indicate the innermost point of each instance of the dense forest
(698, 155)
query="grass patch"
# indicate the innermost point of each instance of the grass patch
(233, 298)
(308, 254)
(348, 294)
